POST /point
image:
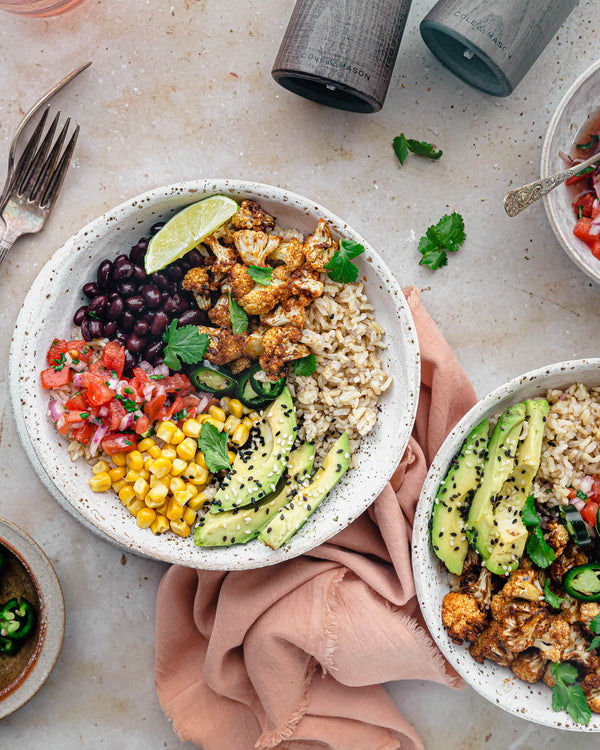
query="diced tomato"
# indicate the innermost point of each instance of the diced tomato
(52, 378)
(177, 383)
(589, 512)
(118, 443)
(595, 248)
(116, 412)
(585, 203)
(97, 392)
(177, 405)
(84, 433)
(572, 494)
(595, 209)
(152, 408)
(68, 418)
(595, 493)
(142, 424)
(101, 370)
(578, 177)
(58, 347)
(113, 356)
(80, 349)
(582, 230)
(77, 402)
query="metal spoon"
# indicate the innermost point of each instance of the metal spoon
(518, 199)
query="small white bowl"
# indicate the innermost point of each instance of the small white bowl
(581, 102)
(498, 684)
(48, 311)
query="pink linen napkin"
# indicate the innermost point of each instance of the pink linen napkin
(292, 656)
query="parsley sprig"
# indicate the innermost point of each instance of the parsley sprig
(340, 268)
(402, 145)
(186, 344)
(448, 234)
(538, 549)
(213, 445)
(568, 696)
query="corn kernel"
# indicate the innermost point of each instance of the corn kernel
(141, 488)
(155, 451)
(160, 524)
(192, 489)
(180, 528)
(177, 437)
(135, 460)
(126, 494)
(217, 413)
(100, 466)
(156, 482)
(254, 416)
(224, 402)
(166, 430)
(192, 428)
(145, 474)
(202, 418)
(176, 484)
(116, 486)
(248, 422)
(231, 456)
(160, 467)
(181, 496)
(240, 435)
(145, 518)
(135, 506)
(231, 423)
(162, 509)
(132, 476)
(186, 450)
(174, 510)
(200, 460)
(178, 466)
(169, 452)
(119, 459)
(218, 424)
(118, 473)
(147, 461)
(189, 516)
(100, 482)
(145, 444)
(197, 502)
(235, 408)
(196, 474)
(156, 496)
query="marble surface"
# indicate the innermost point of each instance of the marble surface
(182, 90)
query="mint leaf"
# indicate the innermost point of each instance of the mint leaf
(237, 314)
(186, 344)
(529, 514)
(260, 275)
(539, 551)
(447, 235)
(550, 597)
(305, 365)
(400, 145)
(423, 148)
(340, 268)
(213, 445)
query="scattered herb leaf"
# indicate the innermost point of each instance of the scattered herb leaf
(551, 598)
(529, 514)
(340, 268)
(84, 414)
(568, 696)
(178, 416)
(237, 314)
(590, 144)
(213, 445)
(539, 551)
(594, 626)
(305, 365)
(448, 234)
(60, 363)
(128, 403)
(260, 275)
(581, 495)
(186, 344)
(402, 145)
(156, 377)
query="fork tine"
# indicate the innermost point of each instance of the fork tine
(53, 189)
(41, 184)
(29, 152)
(29, 181)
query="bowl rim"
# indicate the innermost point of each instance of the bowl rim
(202, 187)
(563, 239)
(52, 617)
(421, 541)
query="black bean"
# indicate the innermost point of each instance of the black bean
(104, 274)
(160, 280)
(79, 315)
(135, 343)
(157, 227)
(115, 308)
(142, 328)
(85, 329)
(170, 305)
(127, 287)
(127, 321)
(159, 323)
(181, 302)
(192, 318)
(121, 337)
(175, 273)
(138, 252)
(135, 303)
(130, 363)
(111, 329)
(151, 295)
(98, 305)
(148, 316)
(139, 274)
(91, 289)
(185, 264)
(164, 296)
(96, 328)
(194, 257)
(153, 351)
(123, 268)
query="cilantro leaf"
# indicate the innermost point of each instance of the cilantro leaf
(581, 495)
(551, 598)
(305, 365)
(213, 445)
(260, 275)
(128, 403)
(400, 145)
(539, 551)
(529, 514)
(340, 268)
(594, 644)
(564, 673)
(238, 317)
(594, 625)
(448, 234)
(186, 344)
(568, 696)
(423, 148)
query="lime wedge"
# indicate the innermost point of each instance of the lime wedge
(187, 229)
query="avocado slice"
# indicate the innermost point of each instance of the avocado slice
(450, 508)
(308, 498)
(256, 468)
(498, 467)
(508, 542)
(239, 525)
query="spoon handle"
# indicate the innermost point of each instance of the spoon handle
(518, 199)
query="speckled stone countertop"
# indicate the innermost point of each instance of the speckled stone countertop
(182, 90)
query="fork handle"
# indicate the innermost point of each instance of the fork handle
(5, 246)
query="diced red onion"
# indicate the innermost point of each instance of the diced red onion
(578, 503)
(162, 370)
(148, 390)
(97, 437)
(146, 367)
(126, 422)
(55, 409)
(566, 158)
(595, 226)
(586, 484)
(77, 380)
(103, 411)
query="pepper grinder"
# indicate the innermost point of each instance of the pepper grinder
(341, 52)
(491, 44)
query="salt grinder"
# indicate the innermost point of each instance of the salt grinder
(491, 44)
(341, 52)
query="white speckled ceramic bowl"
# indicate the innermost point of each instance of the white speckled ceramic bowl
(578, 105)
(48, 310)
(498, 684)
(51, 621)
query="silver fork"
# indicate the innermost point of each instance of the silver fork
(36, 182)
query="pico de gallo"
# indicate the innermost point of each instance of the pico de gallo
(587, 201)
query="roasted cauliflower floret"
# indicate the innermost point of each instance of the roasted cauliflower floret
(254, 247)
(591, 690)
(226, 257)
(478, 583)
(197, 281)
(490, 645)
(555, 639)
(529, 665)
(241, 282)
(253, 347)
(219, 315)
(290, 312)
(239, 365)
(281, 345)
(571, 557)
(290, 253)
(262, 299)
(557, 536)
(587, 612)
(251, 216)
(225, 346)
(547, 677)
(524, 584)
(461, 617)
(319, 246)
(576, 649)
(307, 283)
(569, 609)
(523, 631)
